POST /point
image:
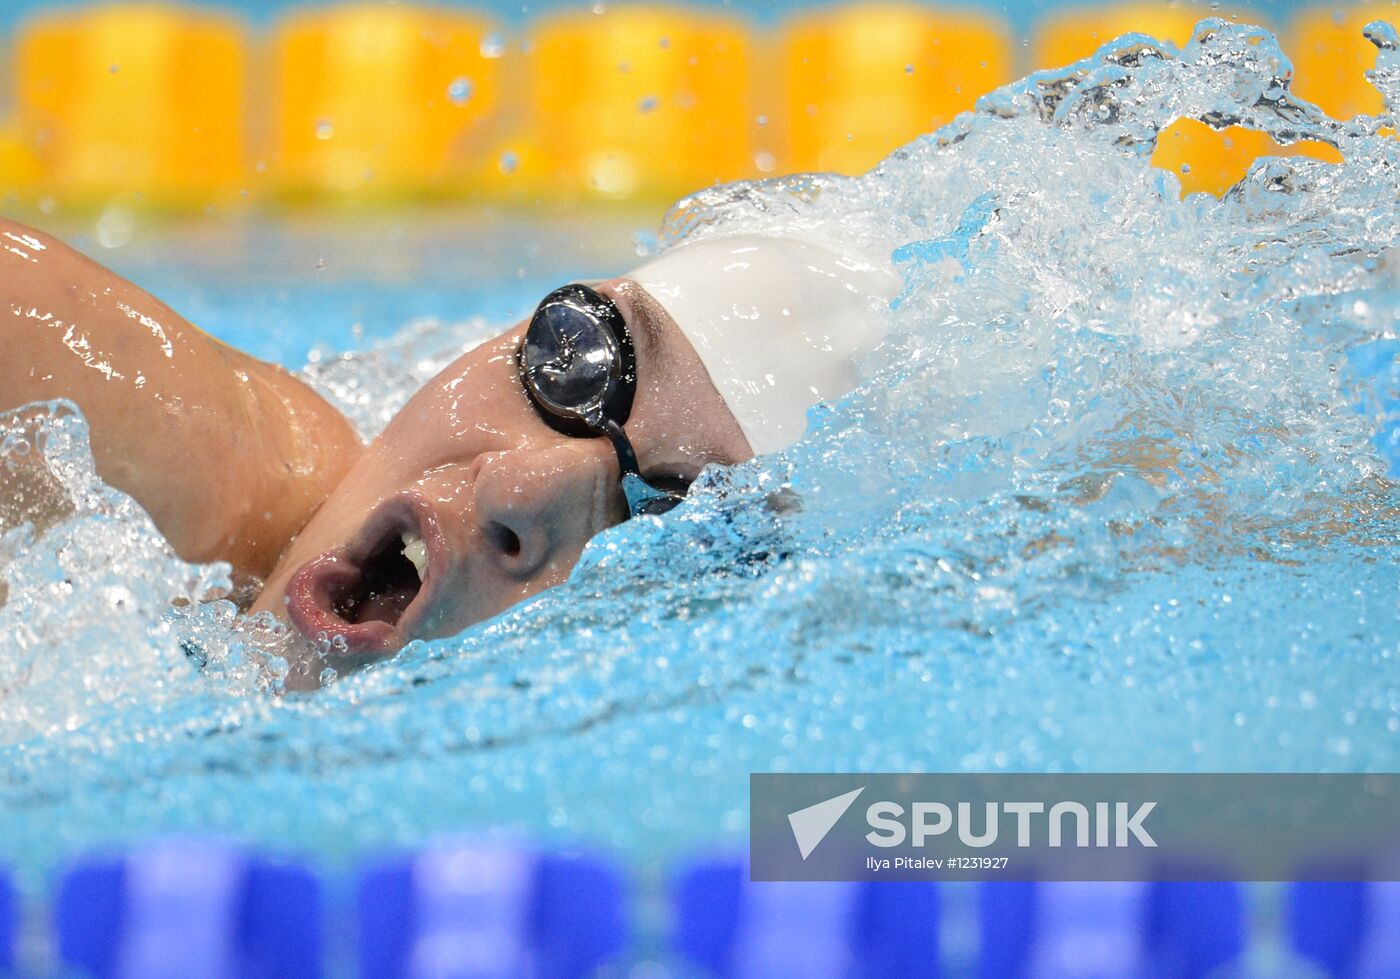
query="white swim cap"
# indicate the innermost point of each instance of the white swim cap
(778, 322)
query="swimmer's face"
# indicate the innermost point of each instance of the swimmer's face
(502, 503)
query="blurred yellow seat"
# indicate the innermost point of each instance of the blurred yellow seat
(861, 81)
(138, 98)
(19, 167)
(1213, 161)
(380, 100)
(629, 102)
(1330, 57)
(1074, 34)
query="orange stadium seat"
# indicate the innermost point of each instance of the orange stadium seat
(1331, 58)
(1077, 33)
(861, 81)
(380, 100)
(145, 99)
(629, 102)
(19, 167)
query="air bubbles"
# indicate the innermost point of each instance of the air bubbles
(324, 129)
(648, 104)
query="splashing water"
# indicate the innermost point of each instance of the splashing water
(1118, 494)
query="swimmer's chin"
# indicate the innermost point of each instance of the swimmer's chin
(364, 600)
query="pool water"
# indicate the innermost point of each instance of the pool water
(1118, 494)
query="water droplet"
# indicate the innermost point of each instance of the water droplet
(460, 91)
(115, 227)
(493, 45)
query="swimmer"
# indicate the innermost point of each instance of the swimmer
(483, 490)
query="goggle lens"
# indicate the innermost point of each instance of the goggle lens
(571, 361)
(578, 366)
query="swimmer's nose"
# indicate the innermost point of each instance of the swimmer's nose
(537, 507)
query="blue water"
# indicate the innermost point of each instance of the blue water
(1118, 495)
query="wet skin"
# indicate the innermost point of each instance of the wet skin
(229, 455)
(503, 502)
(236, 460)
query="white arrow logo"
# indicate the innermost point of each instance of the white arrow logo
(810, 825)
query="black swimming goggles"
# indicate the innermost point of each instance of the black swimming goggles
(579, 367)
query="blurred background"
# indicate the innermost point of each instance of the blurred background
(216, 107)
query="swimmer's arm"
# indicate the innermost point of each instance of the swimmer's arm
(229, 455)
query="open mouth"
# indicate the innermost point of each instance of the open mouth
(371, 591)
(388, 582)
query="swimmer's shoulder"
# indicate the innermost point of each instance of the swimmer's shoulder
(304, 448)
(230, 455)
(30, 257)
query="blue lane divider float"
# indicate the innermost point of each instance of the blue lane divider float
(1175, 930)
(732, 927)
(467, 909)
(185, 909)
(1350, 929)
(9, 921)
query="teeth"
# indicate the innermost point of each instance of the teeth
(416, 551)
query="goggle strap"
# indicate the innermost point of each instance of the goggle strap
(626, 455)
(642, 496)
